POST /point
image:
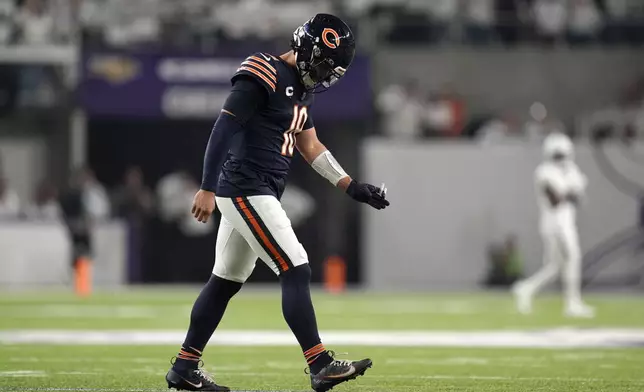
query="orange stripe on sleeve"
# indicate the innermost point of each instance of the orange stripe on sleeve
(261, 68)
(264, 62)
(259, 74)
(262, 235)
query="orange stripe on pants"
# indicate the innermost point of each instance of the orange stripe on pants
(267, 243)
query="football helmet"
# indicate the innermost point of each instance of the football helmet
(558, 145)
(324, 48)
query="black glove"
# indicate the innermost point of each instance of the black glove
(367, 193)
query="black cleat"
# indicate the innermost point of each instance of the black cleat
(193, 380)
(338, 372)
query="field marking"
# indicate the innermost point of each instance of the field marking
(608, 366)
(366, 387)
(140, 360)
(52, 389)
(441, 361)
(31, 373)
(75, 373)
(23, 373)
(550, 338)
(508, 361)
(74, 311)
(581, 356)
(396, 307)
(384, 307)
(283, 365)
(505, 378)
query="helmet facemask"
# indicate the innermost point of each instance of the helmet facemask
(319, 74)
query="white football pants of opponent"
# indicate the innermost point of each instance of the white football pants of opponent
(559, 185)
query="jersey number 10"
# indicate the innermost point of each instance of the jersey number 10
(297, 125)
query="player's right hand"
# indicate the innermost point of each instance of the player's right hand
(203, 205)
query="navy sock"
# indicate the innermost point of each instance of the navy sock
(300, 316)
(207, 312)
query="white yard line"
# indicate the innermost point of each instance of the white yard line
(503, 378)
(71, 311)
(365, 388)
(442, 361)
(23, 373)
(508, 361)
(581, 356)
(119, 390)
(139, 360)
(397, 307)
(384, 307)
(553, 338)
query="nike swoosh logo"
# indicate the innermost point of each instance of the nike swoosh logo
(194, 385)
(265, 57)
(345, 374)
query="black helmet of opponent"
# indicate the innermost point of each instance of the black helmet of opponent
(324, 48)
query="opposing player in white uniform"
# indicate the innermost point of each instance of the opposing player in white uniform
(560, 186)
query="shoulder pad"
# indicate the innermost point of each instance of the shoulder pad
(543, 172)
(261, 67)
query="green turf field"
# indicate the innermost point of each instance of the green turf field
(111, 367)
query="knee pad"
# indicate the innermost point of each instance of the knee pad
(223, 287)
(299, 275)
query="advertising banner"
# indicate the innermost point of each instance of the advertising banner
(194, 87)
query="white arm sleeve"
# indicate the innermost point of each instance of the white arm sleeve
(326, 165)
(578, 181)
(548, 176)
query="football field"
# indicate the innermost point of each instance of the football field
(123, 341)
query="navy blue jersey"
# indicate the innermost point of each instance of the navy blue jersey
(259, 159)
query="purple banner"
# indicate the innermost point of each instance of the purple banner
(195, 87)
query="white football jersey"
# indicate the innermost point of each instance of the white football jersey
(564, 178)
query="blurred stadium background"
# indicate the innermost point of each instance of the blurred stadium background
(105, 110)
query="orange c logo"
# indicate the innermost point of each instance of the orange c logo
(326, 41)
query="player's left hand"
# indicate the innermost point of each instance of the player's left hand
(369, 194)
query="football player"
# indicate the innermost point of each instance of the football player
(264, 119)
(560, 185)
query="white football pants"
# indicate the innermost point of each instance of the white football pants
(561, 254)
(254, 227)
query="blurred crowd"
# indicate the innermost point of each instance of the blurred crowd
(144, 22)
(407, 112)
(85, 199)
(208, 24)
(37, 22)
(510, 22)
